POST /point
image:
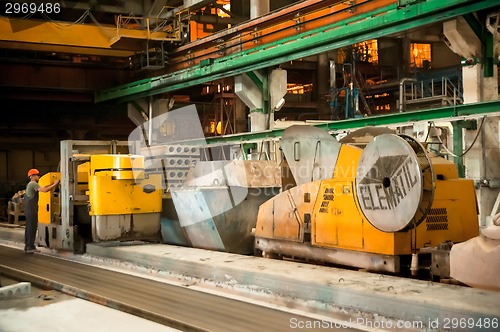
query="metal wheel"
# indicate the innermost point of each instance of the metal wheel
(394, 183)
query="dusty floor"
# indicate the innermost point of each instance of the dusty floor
(48, 310)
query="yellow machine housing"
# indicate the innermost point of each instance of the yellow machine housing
(322, 220)
(48, 203)
(124, 202)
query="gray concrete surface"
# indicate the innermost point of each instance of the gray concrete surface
(15, 290)
(48, 310)
(322, 290)
(394, 297)
(14, 234)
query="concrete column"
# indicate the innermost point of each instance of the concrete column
(258, 8)
(240, 114)
(258, 119)
(478, 88)
(322, 86)
(481, 162)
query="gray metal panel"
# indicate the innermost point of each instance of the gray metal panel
(365, 260)
(141, 226)
(171, 230)
(389, 183)
(310, 152)
(228, 225)
(207, 174)
(68, 238)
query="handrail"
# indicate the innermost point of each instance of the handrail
(412, 90)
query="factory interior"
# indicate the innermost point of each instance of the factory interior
(250, 165)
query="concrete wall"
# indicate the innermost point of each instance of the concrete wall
(14, 166)
(442, 56)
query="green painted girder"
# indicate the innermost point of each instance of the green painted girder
(451, 112)
(376, 24)
(486, 38)
(256, 80)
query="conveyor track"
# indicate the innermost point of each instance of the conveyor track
(171, 305)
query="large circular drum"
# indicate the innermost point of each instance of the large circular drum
(394, 183)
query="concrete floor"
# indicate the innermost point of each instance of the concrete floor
(48, 310)
(319, 290)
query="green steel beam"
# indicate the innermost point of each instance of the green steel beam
(458, 111)
(487, 41)
(138, 107)
(489, 55)
(458, 147)
(375, 24)
(256, 80)
(265, 91)
(475, 25)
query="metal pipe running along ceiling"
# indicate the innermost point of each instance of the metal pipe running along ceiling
(375, 24)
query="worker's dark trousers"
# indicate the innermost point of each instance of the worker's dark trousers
(31, 212)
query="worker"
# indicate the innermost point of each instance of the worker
(31, 209)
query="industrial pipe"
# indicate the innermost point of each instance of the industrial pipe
(259, 8)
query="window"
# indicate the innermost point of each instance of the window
(298, 89)
(420, 54)
(366, 51)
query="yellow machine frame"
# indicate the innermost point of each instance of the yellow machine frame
(111, 196)
(48, 203)
(310, 220)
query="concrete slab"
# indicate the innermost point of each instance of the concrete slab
(14, 291)
(394, 297)
(321, 290)
(53, 311)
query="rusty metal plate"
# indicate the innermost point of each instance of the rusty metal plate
(389, 183)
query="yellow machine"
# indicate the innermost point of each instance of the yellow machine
(123, 201)
(48, 203)
(379, 206)
(102, 197)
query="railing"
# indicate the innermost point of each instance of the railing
(432, 91)
(155, 29)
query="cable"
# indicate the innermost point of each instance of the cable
(99, 25)
(469, 148)
(13, 19)
(64, 26)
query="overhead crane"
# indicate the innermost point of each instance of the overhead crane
(126, 36)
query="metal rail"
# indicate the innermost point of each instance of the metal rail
(374, 24)
(296, 18)
(450, 113)
(170, 305)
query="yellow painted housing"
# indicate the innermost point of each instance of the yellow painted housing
(48, 203)
(92, 39)
(118, 185)
(336, 221)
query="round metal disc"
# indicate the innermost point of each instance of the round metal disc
(427, 172)
(389, 183)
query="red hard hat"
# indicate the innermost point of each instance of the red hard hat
(33, 171)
